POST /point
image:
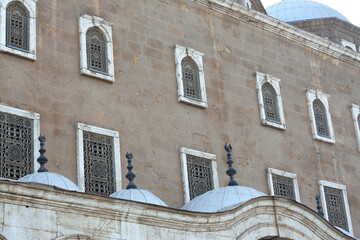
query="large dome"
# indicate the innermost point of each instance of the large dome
(299, 10)
(138, 195)
(222, 199)
(52, 179)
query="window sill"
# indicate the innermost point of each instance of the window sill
(324, 139)
(106, 77)
(279, 125)
(198, 103)
(28, 55)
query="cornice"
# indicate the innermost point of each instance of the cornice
(282, 29)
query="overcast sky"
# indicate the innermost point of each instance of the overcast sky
(348, 8)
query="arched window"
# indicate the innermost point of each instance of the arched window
(96, 50)
(270, 102)
(320, 119)
(17, 27)
(190, 73)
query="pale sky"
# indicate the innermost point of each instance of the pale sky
(348, 8)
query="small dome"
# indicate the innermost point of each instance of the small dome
(52, 179)
(138, 195)
(222, 199)
(300, 10)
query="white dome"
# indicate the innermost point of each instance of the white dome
(222, 199)
(52, 179)
(300, 10)
(138, 195)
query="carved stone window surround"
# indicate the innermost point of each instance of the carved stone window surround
(181, 53)
(183, 156)
(311, 96)
(342, 187)
(272, 171)
(355, 110)
(261, 79)
(30, 6)
(86, 22)
(81, 127)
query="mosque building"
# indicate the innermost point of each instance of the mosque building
(178, 119)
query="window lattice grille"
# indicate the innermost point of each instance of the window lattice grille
(283, 186)
(320, 119)
(16, 146)
(336, 207)
(191, 79)
(98, 164)
(17, 24)
(96, 50)
(199, 175)
(270, 103)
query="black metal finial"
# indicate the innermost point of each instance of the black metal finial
(130, 175)
(231, 171)
(42, 159)
(317, 197)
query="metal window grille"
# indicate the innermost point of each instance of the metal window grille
(320, 119)
(336, 207)
(199, 175)
(96, 50)
(98, 164)
(16, 146)
(191, 79)
(270, 103)
(283, 186)
(17, 24)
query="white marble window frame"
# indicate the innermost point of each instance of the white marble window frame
(81, 127)
(35, 120)
(183, 157)
(293, 176)
(312, 95)
(351, 45)
(322, 184)
(30, 6)
(355, 110)
(86, 22)
(180, 53)
(261, 79)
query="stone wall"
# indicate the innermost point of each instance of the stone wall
(142, 102)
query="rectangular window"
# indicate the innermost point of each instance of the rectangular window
(199, 172)
(18, 146)
(99, 169)
(283, 184)
(335, 205)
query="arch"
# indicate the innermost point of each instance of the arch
(321, 121)
(17, 26)
(96, 50)
(270, 102)
(74, 237)
(191, 80)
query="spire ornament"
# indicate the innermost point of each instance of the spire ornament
(320, 212)
(231, 171)
(42, 159)
(130, 175)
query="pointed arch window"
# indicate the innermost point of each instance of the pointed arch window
(96, 50)
(191, 81)
(190, 76)
(270, 103)
(269, 100)
(17, 26)
(320, 119)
